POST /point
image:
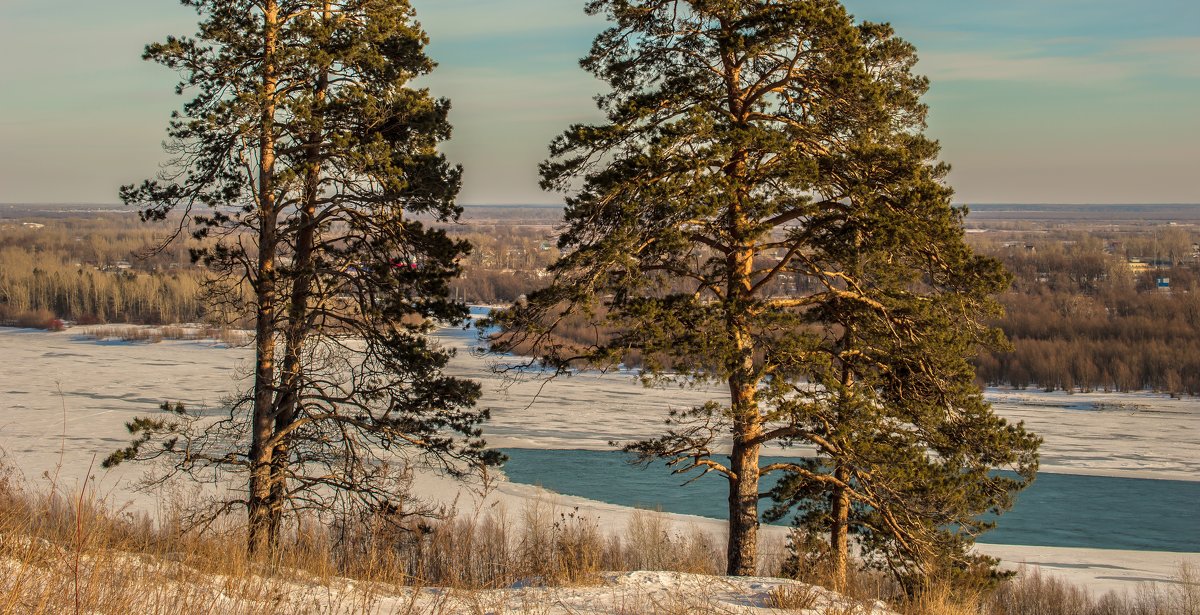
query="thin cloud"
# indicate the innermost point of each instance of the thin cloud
(1120, 61)
(999, 66)
(1178, 56)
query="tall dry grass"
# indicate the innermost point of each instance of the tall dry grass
(541, 545)
(1033, 593)
(71, 552)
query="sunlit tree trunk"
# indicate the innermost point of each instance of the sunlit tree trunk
(261, 538)
(839, 531)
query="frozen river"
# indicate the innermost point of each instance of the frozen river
(64, 400)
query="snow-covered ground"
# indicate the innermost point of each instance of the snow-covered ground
(643, 592)
(145, 584)
(64, 400)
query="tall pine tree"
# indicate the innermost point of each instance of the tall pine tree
(304, 157)
(762, 210)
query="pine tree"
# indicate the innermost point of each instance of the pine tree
(761, 210)
(303, 159)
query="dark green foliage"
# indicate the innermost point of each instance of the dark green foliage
(302, 159)
(749, 142)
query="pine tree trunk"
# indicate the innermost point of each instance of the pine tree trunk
(839, 528)
(742, 549)
(296, 333)
(261, 539)
(747, 423)
(839, 534)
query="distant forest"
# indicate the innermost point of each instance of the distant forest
(1114, 306)
(92, 269)
(1092, 314)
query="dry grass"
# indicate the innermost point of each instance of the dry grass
(541, 546)
(1033, 593)
(793, 597)
(72, 553)
(1029, 593)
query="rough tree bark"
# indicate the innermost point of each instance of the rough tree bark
(261, 538)
(839, 530)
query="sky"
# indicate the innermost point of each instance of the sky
(1034, 101)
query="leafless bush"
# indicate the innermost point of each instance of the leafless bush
(36, 319)
(650, 543)
(1034, 593)
(793, 597)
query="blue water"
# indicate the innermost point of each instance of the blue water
(1058, 510)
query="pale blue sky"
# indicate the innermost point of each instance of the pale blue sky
(1046, 101)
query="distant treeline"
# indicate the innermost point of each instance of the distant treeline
(94, 270)
(99, 268)
(1080, 317)
(1146, 345)
(505, 260)
(1086, 320)
(1085, 312)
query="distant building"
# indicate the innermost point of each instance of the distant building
(33, 225)
(1142, 264)
(1137, 265)
(117, 267)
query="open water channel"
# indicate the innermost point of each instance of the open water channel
(1058, 510)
